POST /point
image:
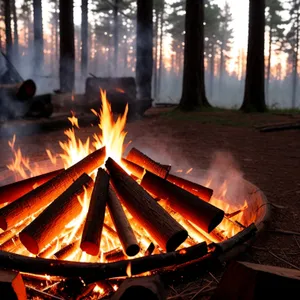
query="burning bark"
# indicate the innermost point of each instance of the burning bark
(33, 201)
(196, 189)
(133, 168)
(114, 255)
(201, 213)
(91, 236)
(166, 231)
(68, 250)
(122, 225)
(52, 221)
(147, 163)
(13, 191)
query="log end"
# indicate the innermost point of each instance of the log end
(217, 219)
(90, 248)
(132, 250)
(176, 240)
(3, 223)
(29, 242)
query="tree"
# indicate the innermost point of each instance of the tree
(274, 21)
(84, 38)
(116, 35)
(7, 14)
(16, 36)
(67, 47)
(254, 94)
(38, 36)
(193, 89)
(144, 45)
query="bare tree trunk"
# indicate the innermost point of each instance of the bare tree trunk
(254, 94)
(161, 48)
(155, 53)
(269, 63)
(67, 47)
(212, 71)
(295, 64)
(222, 66)
(16, 36)
(38, 37)
(8, 34)
(193, 89)
(56, 30)
(84, 38)
(116, 36)
(144, 45)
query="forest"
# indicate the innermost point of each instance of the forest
(41, 38)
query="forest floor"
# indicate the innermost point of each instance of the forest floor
(269, 160)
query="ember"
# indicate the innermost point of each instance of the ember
(62, 215)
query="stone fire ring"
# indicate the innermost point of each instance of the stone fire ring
(91, 272)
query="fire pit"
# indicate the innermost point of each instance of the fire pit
(166, 223)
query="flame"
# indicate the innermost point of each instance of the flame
(128, 270)
(120, 90)
(73, 120)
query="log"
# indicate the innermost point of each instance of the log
(148, 287)
(68, 250)
(147, 163)
(6, 235)
(126, 235)
(15, 190)
(91, 272)
(201, 191)
(43, 195)
(52, 221)
(91, 236)
(254, 281)
(12, 285)
(133, 168)
(201, 213)
(114, 255)
(166, 231)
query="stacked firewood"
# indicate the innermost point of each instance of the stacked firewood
(142, 192)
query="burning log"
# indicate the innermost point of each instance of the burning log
(201, 213)
(134, 169)
(147, 163)
(114, 255)
(124, 230)
(166, 231)
(13, 191)
(67, 251)
(52, 221)
(6, 235)
(91, 236)
(196, 189)
(40, 197)
(12, 285)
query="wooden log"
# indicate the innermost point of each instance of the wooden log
(133, 168)
(126, 235)
(43, 195)
(114, 255)
(68, 250)
(15, 190)
(254, 281)
(166, 231)
(8, 234)
(52, 221)
(196, 189)
(12, 285)
(91, 236)
(147, 287)
(201, 213)
(91, 272)
(147, 163)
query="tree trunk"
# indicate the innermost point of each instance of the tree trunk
(116, 36)
(212, 71)
(222, 65)
(193, 89)
(84, 38)
(160, 48)
(269, 63)
(67, 47)
(156, 53)
(254, 94)
(295, 64)
(38, 37)
(144, 45)
(56, 30)
(7, 14)
(16, 36)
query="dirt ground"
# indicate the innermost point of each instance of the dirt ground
(269, 160)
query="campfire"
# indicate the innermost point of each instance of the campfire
(102, 215)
